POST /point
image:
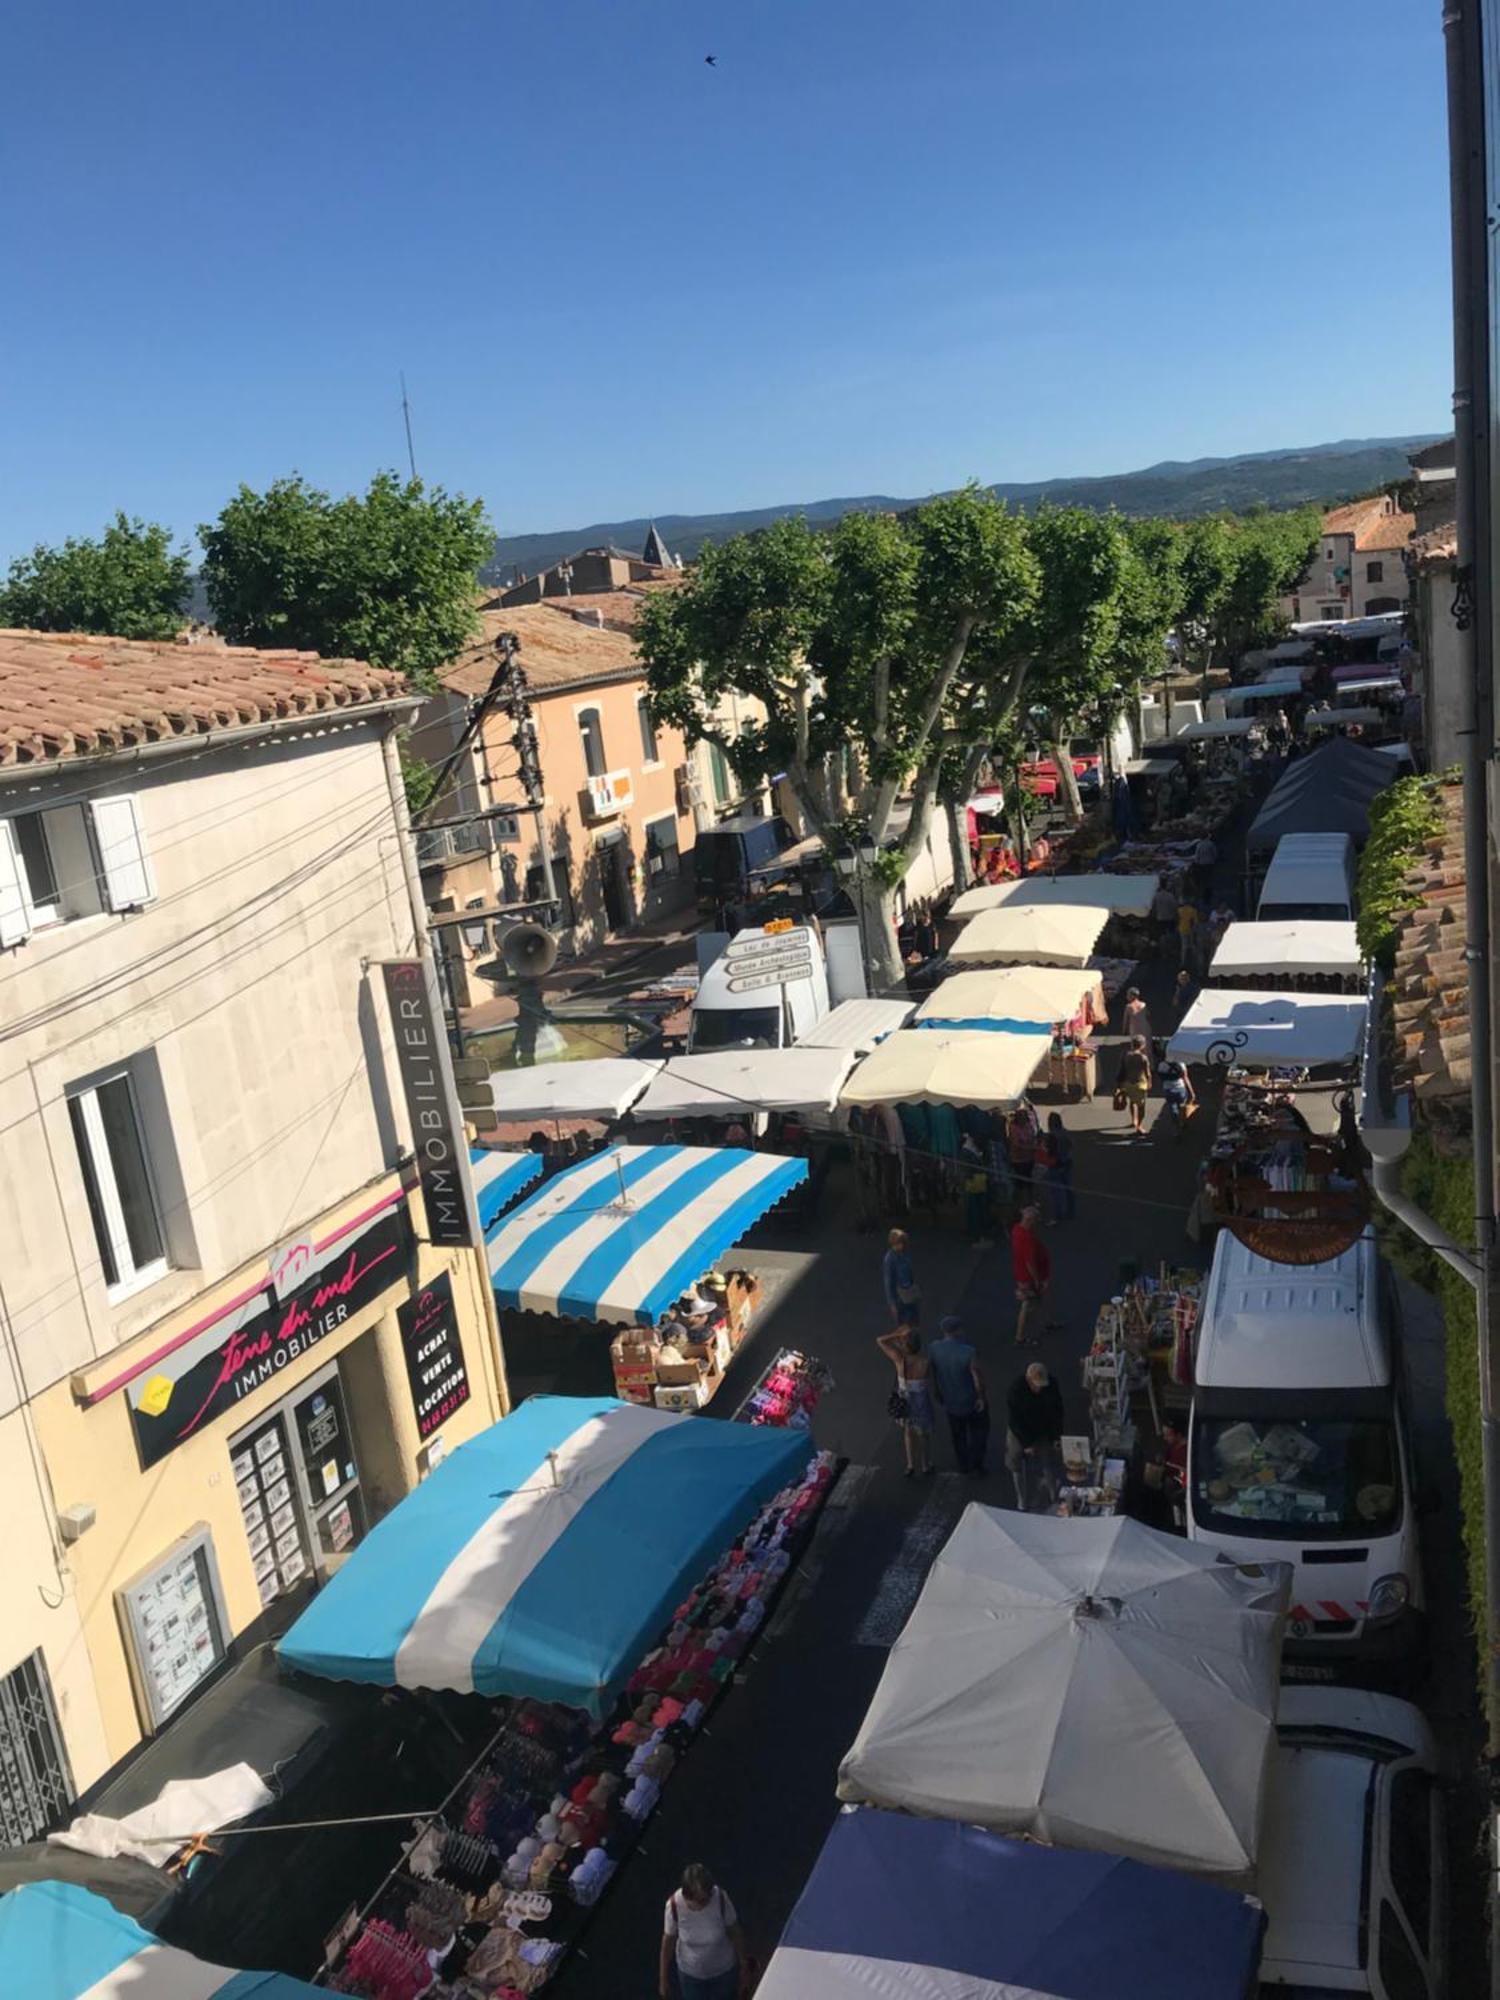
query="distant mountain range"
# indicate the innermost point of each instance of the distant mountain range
(1326, 472)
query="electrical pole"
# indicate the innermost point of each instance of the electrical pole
(514, 696)
(411, 456)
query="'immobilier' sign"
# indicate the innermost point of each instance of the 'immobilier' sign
(436, 1123)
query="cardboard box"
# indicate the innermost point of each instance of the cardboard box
(686, 1395)
(681, 1374)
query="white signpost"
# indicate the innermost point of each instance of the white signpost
(756, 959)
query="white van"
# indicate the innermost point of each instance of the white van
(1298, 1449)
(1311, 876)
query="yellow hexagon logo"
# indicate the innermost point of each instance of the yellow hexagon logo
(156, 1395)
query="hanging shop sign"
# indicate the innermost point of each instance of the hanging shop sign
(242, 1350)
(431, 1103)
(434, 1355)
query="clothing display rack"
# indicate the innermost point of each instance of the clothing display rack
(491, 1894)
(788, 1392)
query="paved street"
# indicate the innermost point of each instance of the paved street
(756, 1796)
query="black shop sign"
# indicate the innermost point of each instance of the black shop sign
(243, 1350)
(434, 1355)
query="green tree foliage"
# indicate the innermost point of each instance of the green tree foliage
(1269, 553)
(1402, 817)
(390, 576)
(1074, 630)
(879, 650)
(131, 583)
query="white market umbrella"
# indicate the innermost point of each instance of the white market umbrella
(1293, 945)
(1091, 1683)
(1121, 895)
(596, 1087)
(1030, 934)
(949, 1066)
(1041, 994)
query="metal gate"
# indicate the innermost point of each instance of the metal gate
(35, 1783)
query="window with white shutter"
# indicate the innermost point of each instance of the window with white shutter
(15, 896)
(125, 875)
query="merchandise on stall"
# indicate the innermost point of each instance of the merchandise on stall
(685, 1373)
(788, 1392)
(1285, 1172)
(493, 1892)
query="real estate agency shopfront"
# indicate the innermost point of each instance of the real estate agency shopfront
(235, 1454)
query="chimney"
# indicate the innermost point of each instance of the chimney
(599, 618)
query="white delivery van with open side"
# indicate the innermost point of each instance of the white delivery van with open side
(1298, 1449)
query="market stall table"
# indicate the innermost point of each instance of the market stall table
(1046, 933)
(928, 1910)
(1091, 1683)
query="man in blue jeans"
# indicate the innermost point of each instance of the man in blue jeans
(959, 1387)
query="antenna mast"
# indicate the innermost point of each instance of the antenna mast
(411, 456)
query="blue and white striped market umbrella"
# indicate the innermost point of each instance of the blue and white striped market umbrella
(546, 1555)
(499, 1177)
(621, 1236)
(60, 1942)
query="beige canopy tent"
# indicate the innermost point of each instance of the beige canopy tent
(948, 1066)
(1041, 993)
(733, 1083)
(1121, 895)
(1030, 934)
(1300, 945)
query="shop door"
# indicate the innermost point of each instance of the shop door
(329, 1471)
(612, 862)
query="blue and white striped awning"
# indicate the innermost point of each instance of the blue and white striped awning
(499, 1177)
(546, 1555)
(935, 1910)
(60, 1942)
(620, 1237)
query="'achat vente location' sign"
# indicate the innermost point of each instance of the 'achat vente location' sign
(436, 1124)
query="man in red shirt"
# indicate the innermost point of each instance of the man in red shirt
(1031, 1265)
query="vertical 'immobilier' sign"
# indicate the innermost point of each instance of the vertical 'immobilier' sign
(437, 1128)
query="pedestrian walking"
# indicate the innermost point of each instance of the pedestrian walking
(1205, 860)
(1164, 915)
(1184, 991)
(1137, 1017)
(1133, 1085)
(1020, 1145)
(1033, 1435)
(1188, 921)
(1031, 1268)
(702, 1942)
(903, 1296)
(959, 1390)
(1055, 1157)
(911, 1399)
(976, 1188)
(1177, 1090)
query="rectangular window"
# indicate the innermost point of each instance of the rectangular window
(1375, 572)
(591, 729)
(60, 862)
(117, 1179)
(35, 1782)
(719, 765)
(663, 856)
(649, 750)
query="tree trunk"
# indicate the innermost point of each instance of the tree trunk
(875, 907)
(1067, 783)
(958, 843)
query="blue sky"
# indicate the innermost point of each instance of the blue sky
(878, 248)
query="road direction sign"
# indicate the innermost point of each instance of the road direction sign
(759, 945)
(755, 978)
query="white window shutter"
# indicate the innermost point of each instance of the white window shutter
(15, 896)
(125, 875)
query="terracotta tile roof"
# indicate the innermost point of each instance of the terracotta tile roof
(557, 651)
(618, 608)
(1386, 531)
(1430, 991)
(1438, 545)
(1356, 514)
(74, 694)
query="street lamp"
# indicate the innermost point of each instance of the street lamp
(851, 862)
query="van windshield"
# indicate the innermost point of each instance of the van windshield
(735, 1028)
(1318, 1479)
